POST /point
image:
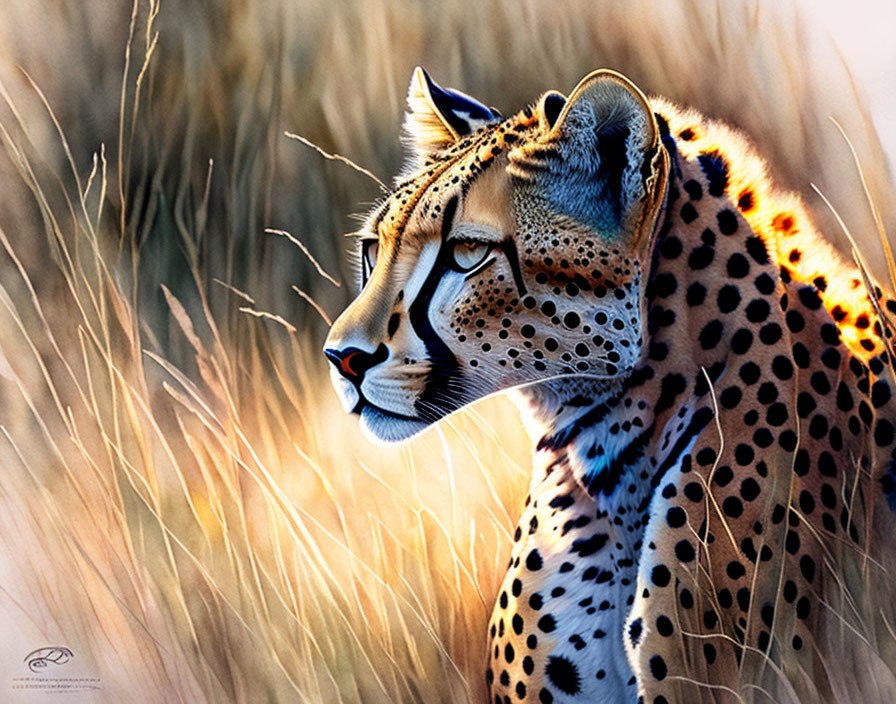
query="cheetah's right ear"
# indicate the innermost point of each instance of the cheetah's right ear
(437, 117)
(598, 157)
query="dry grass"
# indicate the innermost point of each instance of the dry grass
(184, 505)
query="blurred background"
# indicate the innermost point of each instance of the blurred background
(184, 504)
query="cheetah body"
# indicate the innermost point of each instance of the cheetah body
(708, 386)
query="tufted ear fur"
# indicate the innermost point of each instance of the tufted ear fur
(598, 156)
(437, 117)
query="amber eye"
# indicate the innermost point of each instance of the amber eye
(369, 251)
(467, 255)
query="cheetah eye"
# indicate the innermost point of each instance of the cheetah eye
(369, 251)
(468, 255)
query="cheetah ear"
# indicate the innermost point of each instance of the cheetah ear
(607, 139)
(437, 117)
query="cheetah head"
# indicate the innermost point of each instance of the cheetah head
(509, 252)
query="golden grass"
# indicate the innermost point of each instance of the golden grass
(184, 504)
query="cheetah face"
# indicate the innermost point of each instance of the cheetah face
(512, 253)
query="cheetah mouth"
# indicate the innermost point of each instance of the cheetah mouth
(387, 426)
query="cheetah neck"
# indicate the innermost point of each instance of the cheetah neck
(573, 568)
(602, 430)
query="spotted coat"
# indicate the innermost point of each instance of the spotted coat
(708, 384)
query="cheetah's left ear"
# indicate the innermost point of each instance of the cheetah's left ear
(437, 117)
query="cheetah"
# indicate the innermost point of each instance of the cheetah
(708, 384)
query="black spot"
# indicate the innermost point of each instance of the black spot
(658, 667)
(694, 492)
(807, 567)
(735, 570)
(684, 550)
(547, 623)
(770, 333)
(883, 432)
(738, 266)
(730, 397)
(671, 247)
(536, 601)
(741, 341)
(767, 393)
(711, 334)
(809, 298)
(744, 454)
(533, 561)
(528, 665)
(749, 373)
(664, 285)
(820, 383)
(706, 456)
(727, 222)
(756, 249)
(660, 576)
(728, 298)
(732, 506)
(701, 257)
(563, 674)
(782, 367)
(818, 428)
(788, 440)
(723, 476)
(807, 502)
(801, 463)
(664, 626)
(795, 321)
(571, 320)
(776, 415)
(830, 334)
(688, 213)
(743, 598)
(716, 169)
(758, 310)
(588, 546)
(676, 517)
(670, 387)
(693, 189)
(696, 294)
(749, 489)
(763, 438)
(801, 355)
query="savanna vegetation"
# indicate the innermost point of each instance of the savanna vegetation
(184, 504)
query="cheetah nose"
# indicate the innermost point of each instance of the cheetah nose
(352, 362)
